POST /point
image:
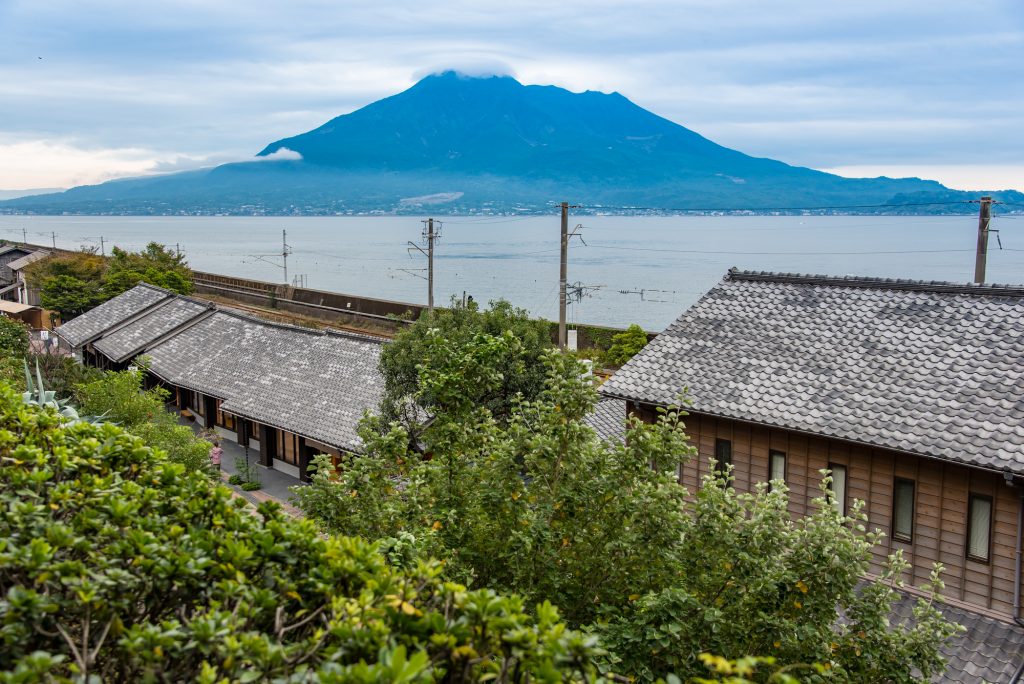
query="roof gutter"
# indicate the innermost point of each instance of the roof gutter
(820, 435)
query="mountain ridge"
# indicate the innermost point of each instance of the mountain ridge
(493, 144)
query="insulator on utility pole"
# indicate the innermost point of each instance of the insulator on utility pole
(981, 257)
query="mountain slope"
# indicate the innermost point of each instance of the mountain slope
(491, 143)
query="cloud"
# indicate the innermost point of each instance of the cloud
(175, 83)
(281, 154)
(471, 66)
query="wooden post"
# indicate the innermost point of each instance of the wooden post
(981, 257)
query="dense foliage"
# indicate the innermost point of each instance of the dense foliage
(520, 367)
(121, 398)
(74, 283)
(13, 349)
(625, 345)
(538, 505)
(118, 565)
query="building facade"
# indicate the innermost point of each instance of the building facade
(910, 393)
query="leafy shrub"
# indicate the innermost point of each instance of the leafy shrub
(625, 345)
(250, 486)
(121, 398)
(119, 565)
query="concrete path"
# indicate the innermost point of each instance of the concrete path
(274, 485)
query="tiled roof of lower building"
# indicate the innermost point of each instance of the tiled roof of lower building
(130, 339)
(112, 312)
(988, 651)
(929, 368)
(609, 420)
(313, 383)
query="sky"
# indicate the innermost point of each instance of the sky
(97, 89)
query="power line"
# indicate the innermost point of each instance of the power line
(735, 253)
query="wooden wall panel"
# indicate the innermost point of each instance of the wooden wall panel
(941, 500)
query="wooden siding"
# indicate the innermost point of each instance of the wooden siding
(941, 495)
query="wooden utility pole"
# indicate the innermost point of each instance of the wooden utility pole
(562, 275)
(24, 236)
(103, 247)
(53, 234)
(984, 218)
(430, 266)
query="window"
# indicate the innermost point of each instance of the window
(838, 487)
(979, 527)
(776, 466)
(903, 510)
(723, 454)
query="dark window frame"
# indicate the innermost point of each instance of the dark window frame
(991, 524)
(772, 453)
(723, 454)
(832, 468)
(908, 539)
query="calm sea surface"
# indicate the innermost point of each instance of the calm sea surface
(672, 260)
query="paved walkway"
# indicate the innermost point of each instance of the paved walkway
(274, 485)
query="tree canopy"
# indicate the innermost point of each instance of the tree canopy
(537, 504)
(119, 565)
(522, 372)
(74, 283)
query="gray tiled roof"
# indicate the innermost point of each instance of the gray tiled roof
(24, 261)
(988, 651)
(94, 322)
(130, 339)
(935, 369)
(609, 420)
(313, 383)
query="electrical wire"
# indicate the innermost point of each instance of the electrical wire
(735, 253)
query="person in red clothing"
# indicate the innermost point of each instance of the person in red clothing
(215, 453)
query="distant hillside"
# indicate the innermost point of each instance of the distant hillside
(460, 144)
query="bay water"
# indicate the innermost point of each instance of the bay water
(630, 269)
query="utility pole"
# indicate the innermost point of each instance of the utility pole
(984, 218)
(103, 247)
(53, 234)
(430, 266)
(24, 236)
(563, 272)
(431, 236)
(285, 251)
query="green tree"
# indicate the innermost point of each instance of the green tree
(752, 581)
(156, 265)
(118, 565)
(581, 523)
(70, 296)
(625, 345)
(521, 368)
(120, 397)
(538, 505)
(13, 349)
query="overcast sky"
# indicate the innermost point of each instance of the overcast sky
(96, 89)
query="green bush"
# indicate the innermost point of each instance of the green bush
(625, 345)
(250, 486)
(119, 397)
(118, 565)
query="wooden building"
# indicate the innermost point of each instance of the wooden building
(286, 392)
(910, 393)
